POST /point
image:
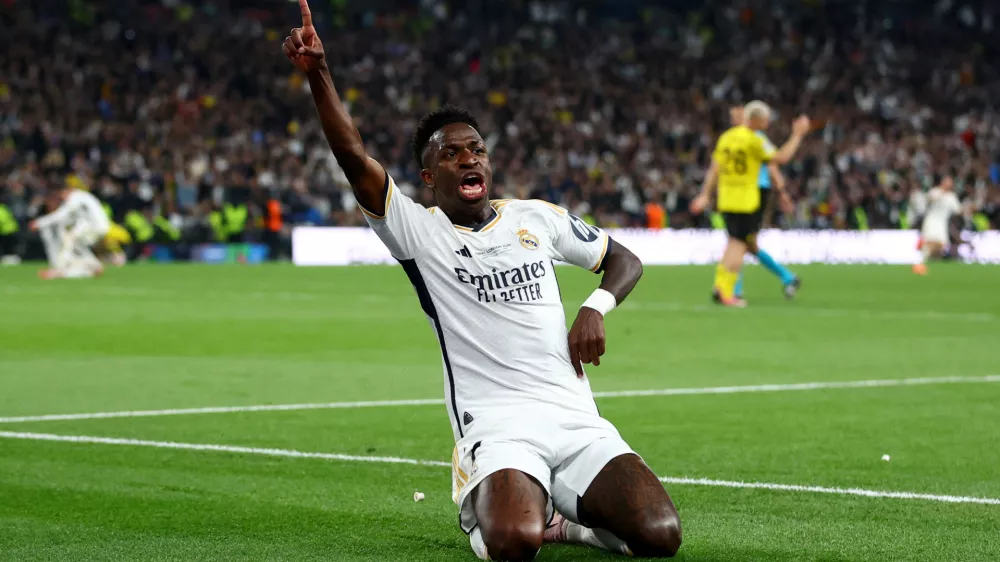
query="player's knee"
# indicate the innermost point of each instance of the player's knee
(658, 537)
(517, 540)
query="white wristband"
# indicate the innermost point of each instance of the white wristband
(601, 301)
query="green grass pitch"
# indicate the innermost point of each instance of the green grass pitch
(155, 337)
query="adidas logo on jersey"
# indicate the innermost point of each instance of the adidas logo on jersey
(467, 418)
(464, 252)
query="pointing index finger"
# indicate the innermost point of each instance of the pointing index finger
(307, 17)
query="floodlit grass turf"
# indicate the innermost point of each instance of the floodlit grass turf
(150, 337)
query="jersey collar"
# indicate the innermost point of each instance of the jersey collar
(482, 226)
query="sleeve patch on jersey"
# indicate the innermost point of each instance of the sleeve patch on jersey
(599, 268)
(582, 230)
(387, 197)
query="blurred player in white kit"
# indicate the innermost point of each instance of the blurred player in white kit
(941, 204)
(70, 232)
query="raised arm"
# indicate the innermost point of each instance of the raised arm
(800, 128)
(55, 217)
(367, 177)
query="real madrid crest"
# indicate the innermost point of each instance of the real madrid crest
(527, 239)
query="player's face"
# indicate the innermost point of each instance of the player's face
(459, 169)
(947, 183)
(759, 123)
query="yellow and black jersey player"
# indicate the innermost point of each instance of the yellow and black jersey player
(736, 164)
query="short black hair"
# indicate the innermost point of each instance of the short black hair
(433, 122)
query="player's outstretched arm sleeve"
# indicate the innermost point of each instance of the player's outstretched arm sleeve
(590, 247)
(576, 242)
(404, 227)
(59, 215)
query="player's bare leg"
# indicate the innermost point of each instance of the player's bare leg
(928, 250)
(625, 510)
(510, 510)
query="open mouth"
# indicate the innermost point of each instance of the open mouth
(472, 186)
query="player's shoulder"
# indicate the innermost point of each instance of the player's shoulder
(81, 195)
(728, 133)
(529, 208)
(738, 133)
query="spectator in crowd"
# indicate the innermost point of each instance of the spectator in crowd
(188, 115)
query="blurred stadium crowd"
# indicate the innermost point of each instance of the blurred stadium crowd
(187, 121)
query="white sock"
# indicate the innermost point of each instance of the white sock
(597, 538)
(478, 546)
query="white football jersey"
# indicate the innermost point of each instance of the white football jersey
(79, 209)
(492, 297)
(941, 205)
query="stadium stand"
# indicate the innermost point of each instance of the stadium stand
(191, 126)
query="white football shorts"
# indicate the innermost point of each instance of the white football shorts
(935, 231)
(563, 450)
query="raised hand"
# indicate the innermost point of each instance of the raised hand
(303, 46)
(586, 339)
(800, 126)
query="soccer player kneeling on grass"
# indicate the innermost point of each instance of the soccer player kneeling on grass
(529, 439)
(70, 232)
(736, 163)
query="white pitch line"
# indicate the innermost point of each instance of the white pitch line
(215, 448)
(874, 383)
(819, 311)
(824, 490)
(224, 410)
(398, 460)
